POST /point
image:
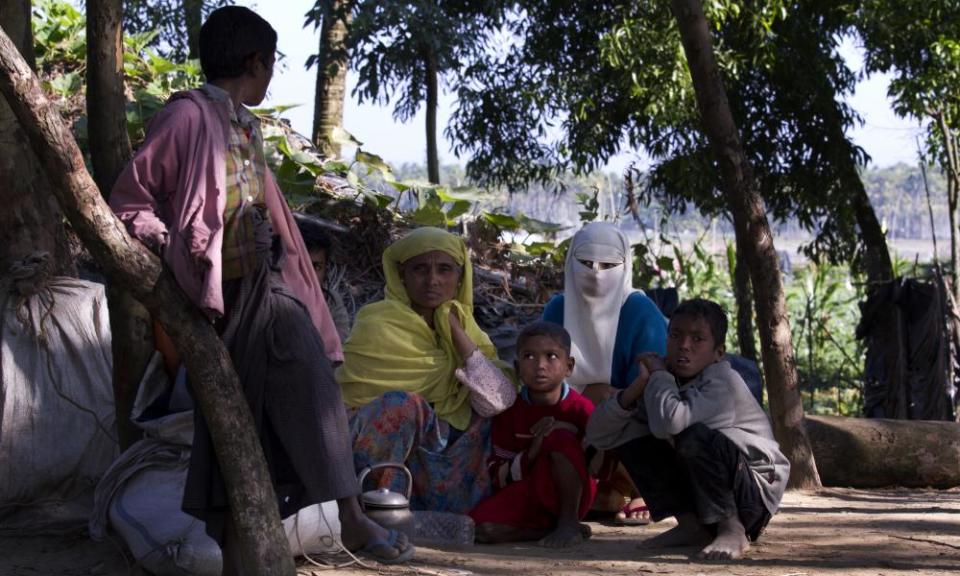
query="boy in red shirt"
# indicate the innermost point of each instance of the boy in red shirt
(538, 467)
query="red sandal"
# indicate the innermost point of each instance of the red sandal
(627, 520)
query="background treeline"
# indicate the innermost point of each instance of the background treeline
(897, 194)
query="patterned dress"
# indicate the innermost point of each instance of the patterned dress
(449, 467)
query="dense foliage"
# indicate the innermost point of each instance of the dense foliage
(622, 90)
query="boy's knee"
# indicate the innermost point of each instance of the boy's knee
(692, 440)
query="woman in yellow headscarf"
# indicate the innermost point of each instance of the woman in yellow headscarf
(423, 377)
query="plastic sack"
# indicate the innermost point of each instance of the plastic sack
(57, 422)
(314, 529)
(142, 493)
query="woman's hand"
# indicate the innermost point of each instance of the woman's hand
(461, 341)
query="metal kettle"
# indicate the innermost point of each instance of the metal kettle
(386, 508)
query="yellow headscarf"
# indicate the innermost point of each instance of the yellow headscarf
(391, 347)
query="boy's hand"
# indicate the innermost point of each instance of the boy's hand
(542, 429)
(629, 396)
(539, 431)
(652, 362)
(543, 426)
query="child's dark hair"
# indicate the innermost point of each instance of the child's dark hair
(548, 329)
(709, 311)
(229, 37)
(314, 236)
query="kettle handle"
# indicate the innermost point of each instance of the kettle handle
(369, 469)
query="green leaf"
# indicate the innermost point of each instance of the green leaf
(340, 136)
(353, 179)
(459, 208)
(428, 215)
(376, 163)
(540, 248)
(502, 221)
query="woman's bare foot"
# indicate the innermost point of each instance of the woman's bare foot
(731, 541)
(566, 535)
(358, 532)
(687, 532)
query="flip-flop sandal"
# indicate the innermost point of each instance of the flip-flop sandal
(374, 549)
(627, 520)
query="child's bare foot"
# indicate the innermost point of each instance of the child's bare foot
(566, 535)
(687, 532)
(731, 542)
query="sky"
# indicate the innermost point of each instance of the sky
(886, 138)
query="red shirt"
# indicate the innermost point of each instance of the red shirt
(512, 437)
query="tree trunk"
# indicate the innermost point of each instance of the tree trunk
(876, 255)
(743, 294)
(130, 323)
(106, 103)
(193, 17)
(31, 219)
(332, 63)
(262, 540)
(433, 161)
(750, 222)
(873, 453)
(952, 166)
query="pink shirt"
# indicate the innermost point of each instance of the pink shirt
(172, 196)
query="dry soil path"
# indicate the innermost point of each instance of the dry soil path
(850, 532)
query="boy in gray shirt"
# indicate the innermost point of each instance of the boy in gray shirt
(695, 441)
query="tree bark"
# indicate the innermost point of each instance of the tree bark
(952, 166)
(433, 160)
(263, 543)
(193, 17)
(750, 222)
(31, 219)
(130, 323)
(872, 453)
(876, 255)
(743, 294)
(332, 63)
(106, 103)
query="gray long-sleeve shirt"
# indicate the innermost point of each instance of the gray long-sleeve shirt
(718, 398)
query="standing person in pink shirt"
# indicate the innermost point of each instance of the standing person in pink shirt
(199, 193)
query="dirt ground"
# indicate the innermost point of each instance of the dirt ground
(835, 531)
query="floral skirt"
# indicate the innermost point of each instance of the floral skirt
(449, 467)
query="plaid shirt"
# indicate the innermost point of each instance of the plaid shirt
(246, 170)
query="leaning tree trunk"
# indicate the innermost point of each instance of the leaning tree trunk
(262, 540)
(31, 219)
(750, 222)
(130, 323)
(876, 452)
(193, 17)
(332, 62)
(433, 160)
